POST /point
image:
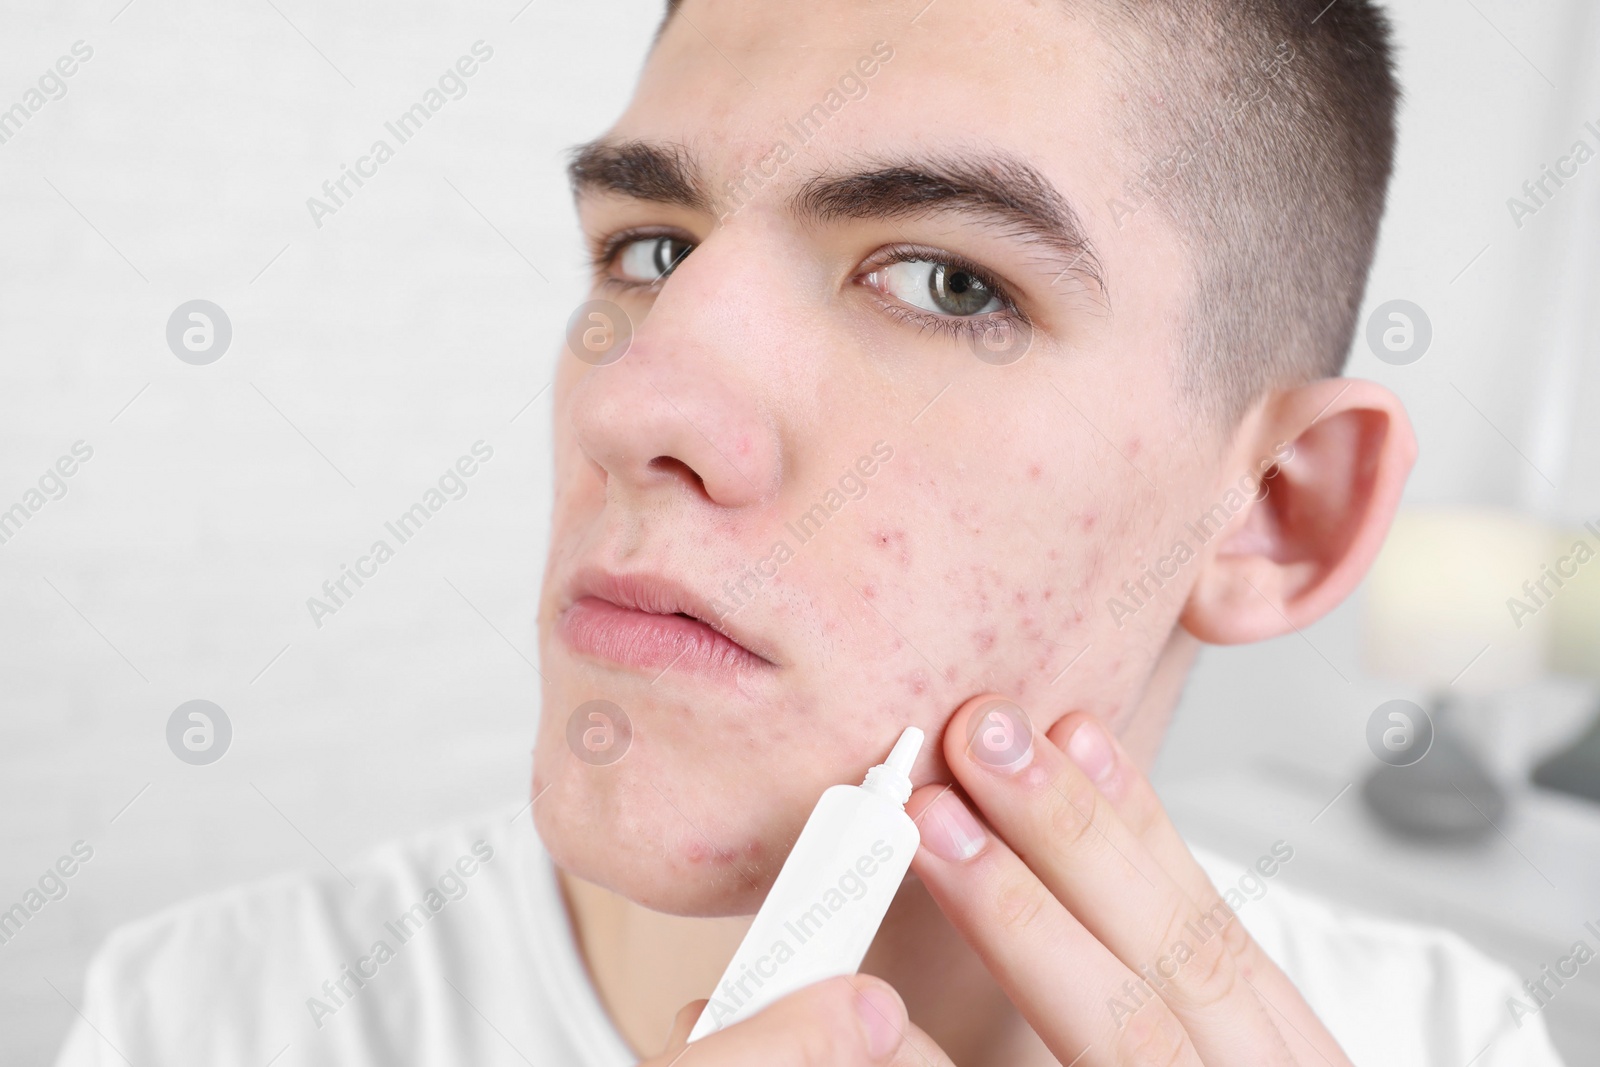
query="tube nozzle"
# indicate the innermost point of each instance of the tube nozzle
(892, 777)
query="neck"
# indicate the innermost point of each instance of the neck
(646, 966)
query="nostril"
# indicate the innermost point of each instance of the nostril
(676, 467)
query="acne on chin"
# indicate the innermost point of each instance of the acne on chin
(661, 869)
(707, 809)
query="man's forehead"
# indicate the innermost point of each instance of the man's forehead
(1053, 29)
(947, 69)
(825, 87)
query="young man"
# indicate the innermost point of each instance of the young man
(954, 361)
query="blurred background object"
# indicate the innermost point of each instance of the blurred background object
(1575, 651)
(1436, 620)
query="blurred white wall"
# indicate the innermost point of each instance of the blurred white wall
(369, 353)
(366, 358)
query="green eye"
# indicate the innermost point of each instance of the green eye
(942, 288)
(959, 292)
(649, 259)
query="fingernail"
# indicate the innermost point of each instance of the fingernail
(1091, 750)
(882, 1019)
(1000, 738)
(950, 831)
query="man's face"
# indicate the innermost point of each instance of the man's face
(803, 448)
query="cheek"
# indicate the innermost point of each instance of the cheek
(956, 594)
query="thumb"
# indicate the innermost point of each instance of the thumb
(683, 1023)
(851, 1021)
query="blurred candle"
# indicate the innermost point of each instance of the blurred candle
(1440, 601)
(1575, 606)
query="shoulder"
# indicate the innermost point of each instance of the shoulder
(1390, 991)
(236, 976)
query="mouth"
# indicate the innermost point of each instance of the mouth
(650, 623)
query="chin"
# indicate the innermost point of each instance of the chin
(620, 833)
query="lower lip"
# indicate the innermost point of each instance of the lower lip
(651, 642)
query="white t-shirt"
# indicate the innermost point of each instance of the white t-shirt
(455, 949)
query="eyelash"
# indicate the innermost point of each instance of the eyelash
(604, 255)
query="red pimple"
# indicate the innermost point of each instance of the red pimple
(890, 539)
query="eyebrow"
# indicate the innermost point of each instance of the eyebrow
(993, 187)
(660, 172)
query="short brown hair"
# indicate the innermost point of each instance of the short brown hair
(1275, 122)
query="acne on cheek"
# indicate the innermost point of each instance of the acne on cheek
(895, 544)
(967, 517)
(1020, 627)
(916, 683)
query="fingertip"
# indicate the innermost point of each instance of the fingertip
(882, 1015)
(957, 733)
(992, 733)
(1090, 747)
(683, 1023)
(923, 796)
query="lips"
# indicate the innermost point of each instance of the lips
(651, 623)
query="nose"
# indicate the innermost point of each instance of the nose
(684, 408)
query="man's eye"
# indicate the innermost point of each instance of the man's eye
(649, 259)
(942, 288)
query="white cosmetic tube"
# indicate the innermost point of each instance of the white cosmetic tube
(828, 900)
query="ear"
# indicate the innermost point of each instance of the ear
(1343, 448)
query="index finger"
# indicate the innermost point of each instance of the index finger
(1050, 812)
(1098, 753)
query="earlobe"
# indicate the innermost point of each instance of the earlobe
(1305, 544)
